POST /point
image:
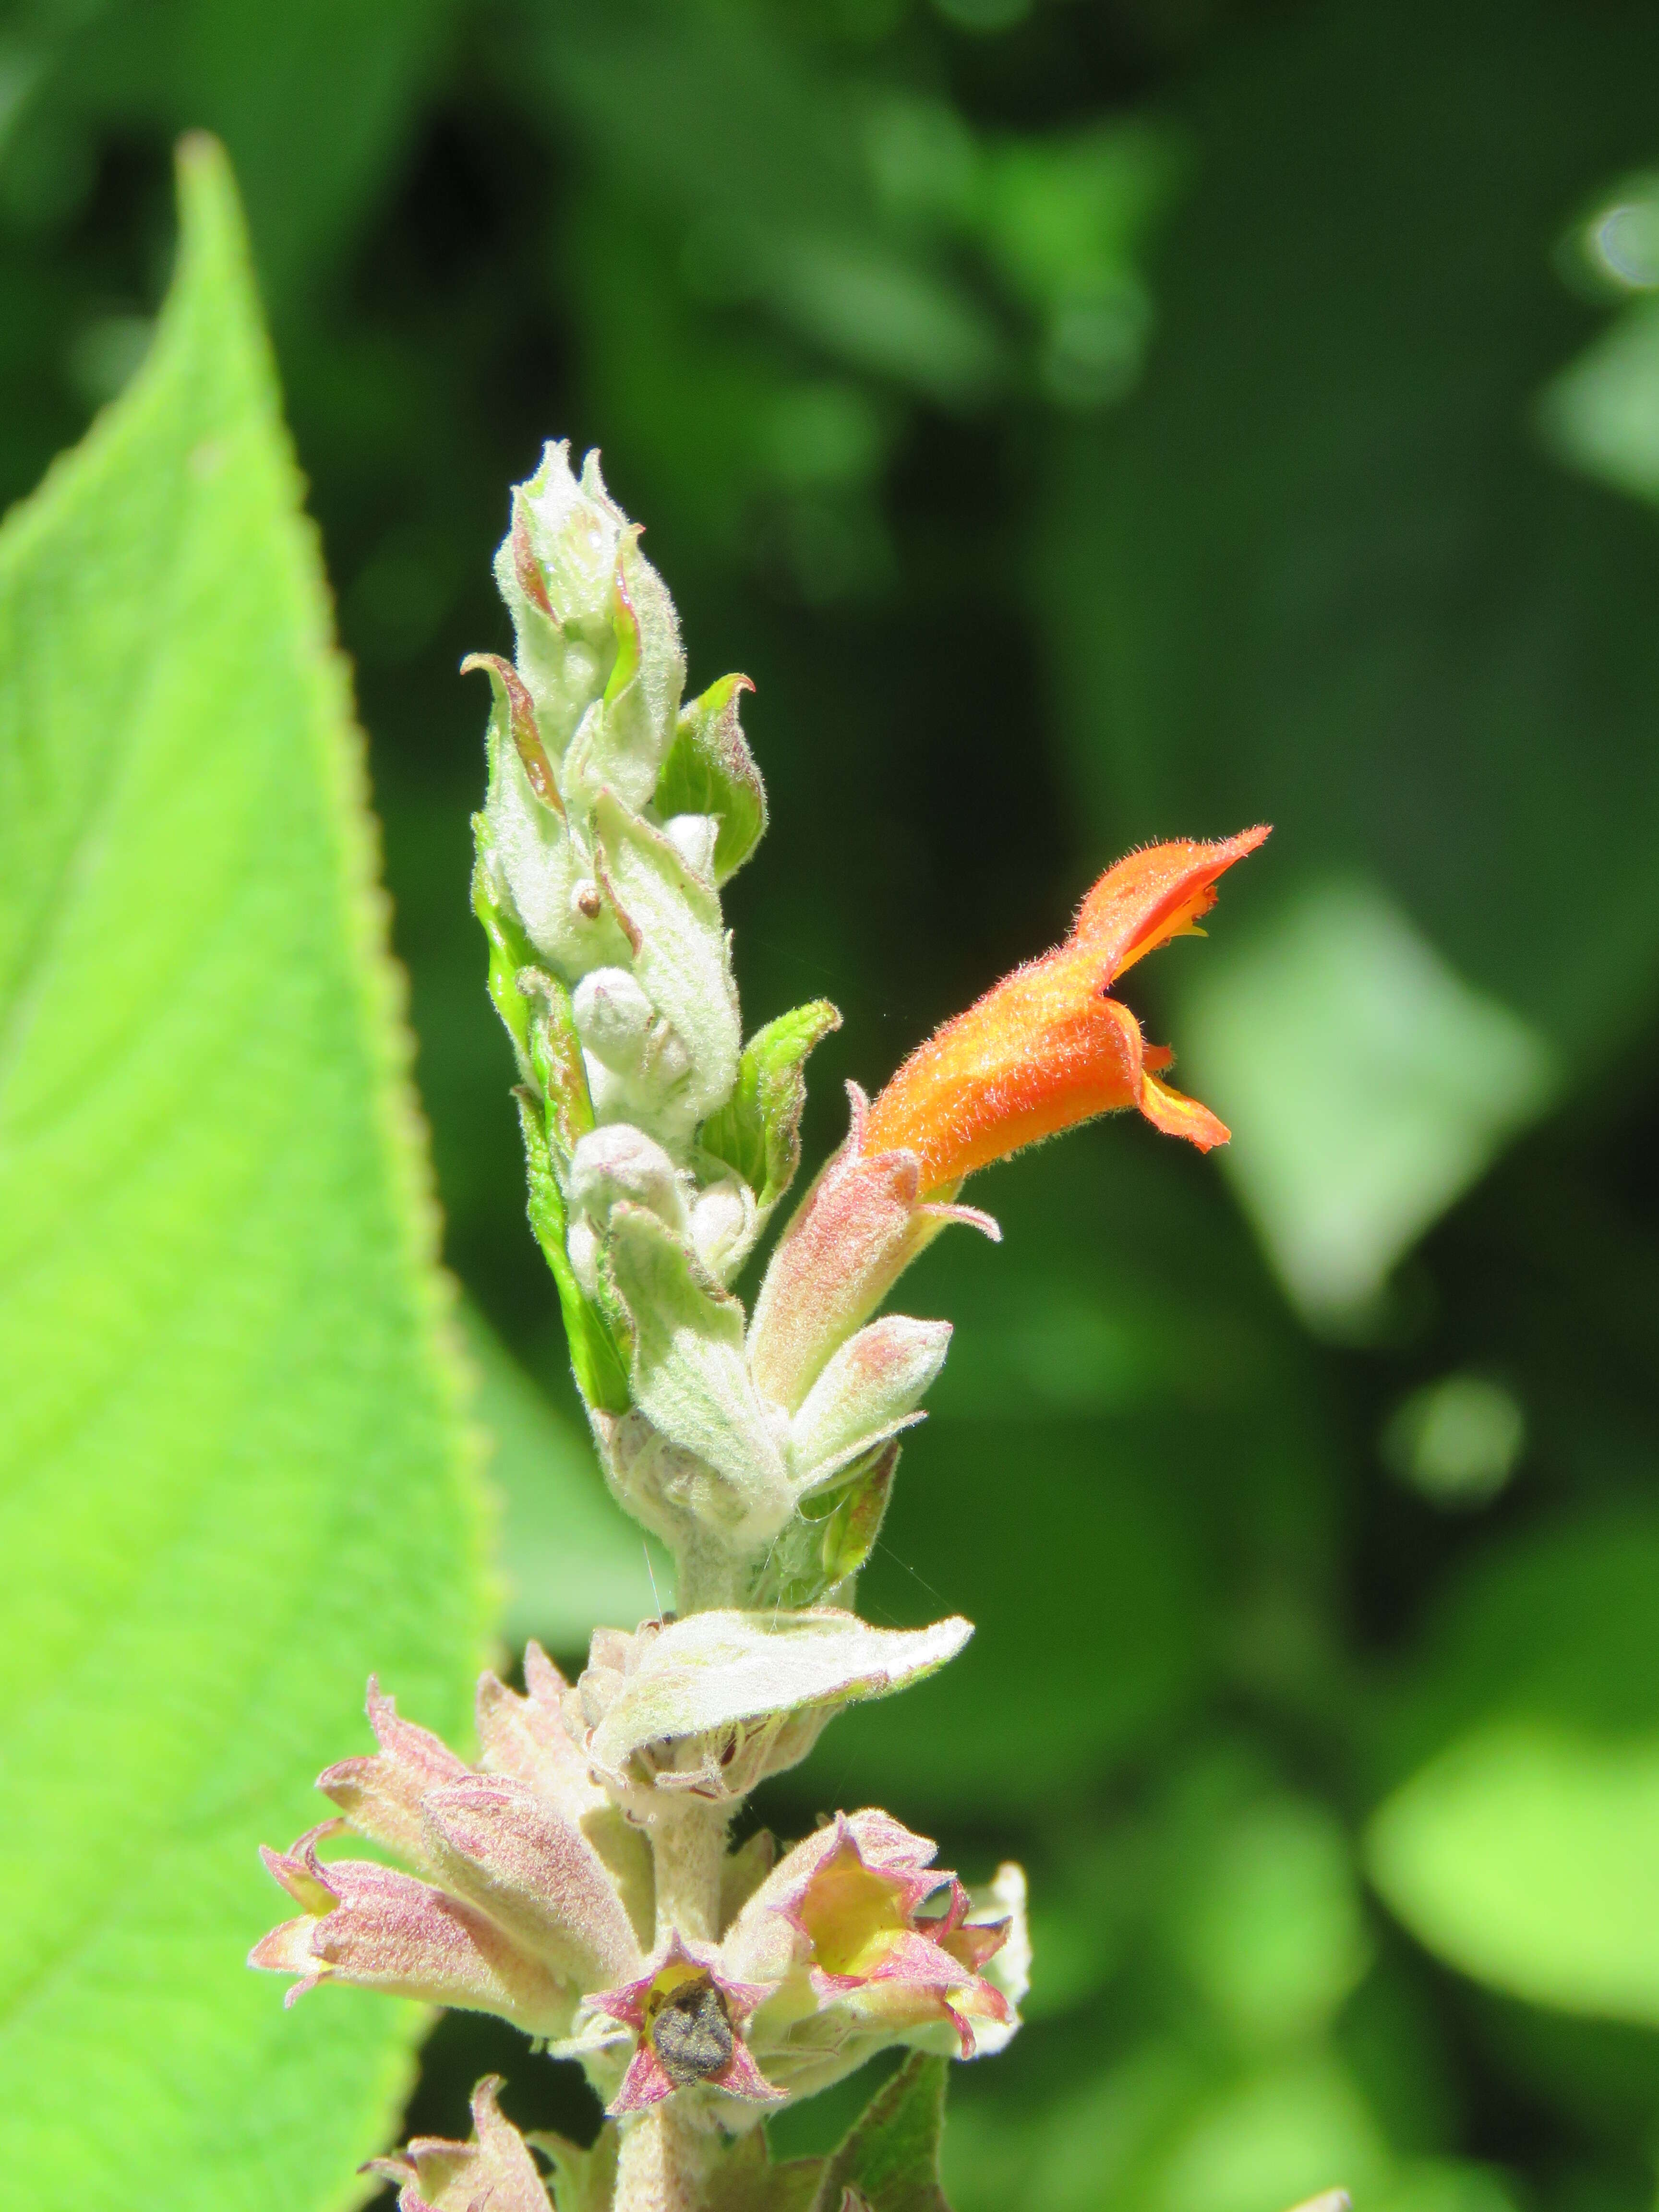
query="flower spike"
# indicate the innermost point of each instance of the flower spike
(576, 1879)
(1046, 1048)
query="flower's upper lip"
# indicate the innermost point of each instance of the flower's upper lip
(1154, 895)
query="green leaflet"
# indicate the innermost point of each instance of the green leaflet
(890, 2156)
(510, 952)
(710, 771)
(833, 1533)
(233, 1451)
(758, 1130)
(583, 2180)
(600, 1369)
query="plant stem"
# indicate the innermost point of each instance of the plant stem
(663, 2160)
(665, 2152)
(688, 1844)
(709, 1577)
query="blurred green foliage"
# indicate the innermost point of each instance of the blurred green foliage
(1085, 420)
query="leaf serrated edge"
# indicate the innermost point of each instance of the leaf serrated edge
(213, 238)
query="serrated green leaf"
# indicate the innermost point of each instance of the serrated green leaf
(234, 1448)
(757, 1131)
(891, 2157)
(710, 771)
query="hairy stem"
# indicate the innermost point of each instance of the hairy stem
(709, 1577)
(665, 2152)
(663, 2161)
(688, 1844)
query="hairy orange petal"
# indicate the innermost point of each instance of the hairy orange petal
(1158, 893)
(1177, 1116)
(1046, 1049)
(1038, 1053)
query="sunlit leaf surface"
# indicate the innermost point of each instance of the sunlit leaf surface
(232, 1469)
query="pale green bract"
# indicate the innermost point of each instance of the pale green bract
(233, 1471)
(716, 1669)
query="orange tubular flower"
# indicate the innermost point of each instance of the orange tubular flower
(1046, 1048)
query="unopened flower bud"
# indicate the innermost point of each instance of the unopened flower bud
(853, 1234)
(613, 1017)
(868, 1392)
(595, 626)
(618, 1164)
(636, 1061)
(693, 837)
(668, 1489)
(724, 1221)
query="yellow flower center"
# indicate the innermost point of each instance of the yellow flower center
(852, 1914)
